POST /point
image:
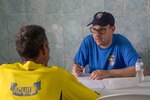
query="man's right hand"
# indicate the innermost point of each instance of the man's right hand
(77, 70)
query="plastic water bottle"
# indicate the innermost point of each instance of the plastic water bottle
(139, 70)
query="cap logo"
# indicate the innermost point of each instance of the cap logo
(99, 15)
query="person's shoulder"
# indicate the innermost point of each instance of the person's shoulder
(121, 41)
(88, 37)
(55, 67)
(2, 66)
(8, 66)
(63, 73)
(120, 37)
(58, 69)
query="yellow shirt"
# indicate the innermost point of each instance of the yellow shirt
(31, 81)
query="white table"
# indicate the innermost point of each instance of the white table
(143, 88)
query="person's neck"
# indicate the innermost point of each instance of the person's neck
(33, 60)
(107, 45)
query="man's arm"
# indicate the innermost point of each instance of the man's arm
(125, 72)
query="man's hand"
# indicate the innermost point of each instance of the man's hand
(99, 74)
(77, 70)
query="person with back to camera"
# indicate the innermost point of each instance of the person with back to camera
(107, 54)
(32, 79)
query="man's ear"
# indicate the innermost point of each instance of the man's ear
(43, 49)
(113, 29)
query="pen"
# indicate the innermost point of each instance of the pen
(81, 68)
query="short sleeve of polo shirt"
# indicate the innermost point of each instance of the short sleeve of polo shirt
(82, 54)
(74, 90)
(128, 52)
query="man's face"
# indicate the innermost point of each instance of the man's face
(102, 35)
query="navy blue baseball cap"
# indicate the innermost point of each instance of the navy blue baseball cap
(103, 19)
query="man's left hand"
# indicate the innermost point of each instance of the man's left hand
(99, 74)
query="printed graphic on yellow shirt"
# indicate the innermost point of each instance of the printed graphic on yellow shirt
(25, 91)
(111, 60)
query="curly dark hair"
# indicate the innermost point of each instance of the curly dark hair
(30, 39)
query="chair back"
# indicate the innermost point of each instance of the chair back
(126, 97)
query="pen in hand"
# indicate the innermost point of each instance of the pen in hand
(77, 70)
(80, 67)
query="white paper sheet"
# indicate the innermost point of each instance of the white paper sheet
(116, 83)
(92, 84)
(112, 83)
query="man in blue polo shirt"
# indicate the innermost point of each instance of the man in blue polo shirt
(107, 54)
